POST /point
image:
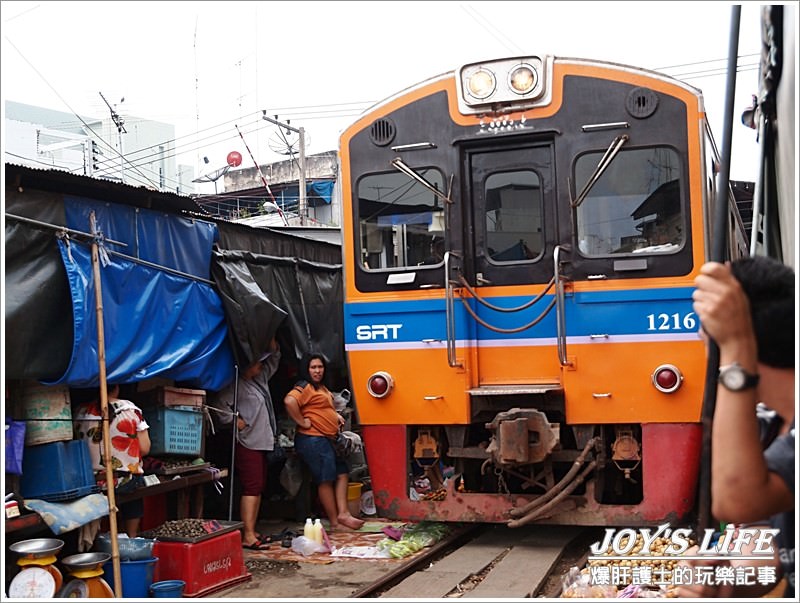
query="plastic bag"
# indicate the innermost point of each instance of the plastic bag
(341, 445)
(341, 399)
(368, 503)
(291, 477)
(15, 445)
(577, 584)
(415, 538)
(398, 549)
(306, 546)
(426, 533)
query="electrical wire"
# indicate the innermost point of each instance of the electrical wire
(138, 160)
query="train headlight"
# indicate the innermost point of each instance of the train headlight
(522, 79)
(481, 83)
(380, 384)
(512, 84)
(667, 378)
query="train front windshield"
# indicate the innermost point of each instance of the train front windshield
(634, 207)
(398, 219)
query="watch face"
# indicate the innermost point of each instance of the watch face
(736, 379)
(733, 379)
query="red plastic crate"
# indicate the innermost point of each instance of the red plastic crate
(205, 566)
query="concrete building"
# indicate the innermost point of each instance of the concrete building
(133, 150)
(144, 155)
(247, 200)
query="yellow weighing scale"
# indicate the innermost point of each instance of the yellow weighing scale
(87, 572)
(39, 578)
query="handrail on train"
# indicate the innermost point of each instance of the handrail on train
(450, 320)
(491, 306)
(561, 327)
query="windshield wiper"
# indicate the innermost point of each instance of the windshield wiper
(608, 157)
(409, 171)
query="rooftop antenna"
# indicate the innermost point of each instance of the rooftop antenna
(120, 123)
(241, 92)
(196, 85)
(212, 176)
(301, 142)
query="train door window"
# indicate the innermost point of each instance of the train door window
(513, 216)
(400, 221)
(634, 207)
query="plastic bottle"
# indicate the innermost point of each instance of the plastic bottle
(308, 529)
(317, 531)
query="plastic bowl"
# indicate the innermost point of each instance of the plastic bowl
(130, 549)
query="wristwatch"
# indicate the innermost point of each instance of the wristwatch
(734, 378)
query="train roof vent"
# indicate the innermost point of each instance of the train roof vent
(641, 103)
(382, 132)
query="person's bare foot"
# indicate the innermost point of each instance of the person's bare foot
(348, 521)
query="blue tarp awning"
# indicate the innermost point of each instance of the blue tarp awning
(156, 322)
(318, 193)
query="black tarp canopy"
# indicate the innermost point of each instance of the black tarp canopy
(264, 277)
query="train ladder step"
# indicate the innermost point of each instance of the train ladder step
(516, 390)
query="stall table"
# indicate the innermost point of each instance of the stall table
(188, 488)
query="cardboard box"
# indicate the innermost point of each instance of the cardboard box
(173, 396)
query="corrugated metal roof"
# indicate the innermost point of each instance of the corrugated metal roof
(59, 181)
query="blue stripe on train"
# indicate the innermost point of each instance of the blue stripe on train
(628, 312)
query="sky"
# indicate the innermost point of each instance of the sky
(208, 67)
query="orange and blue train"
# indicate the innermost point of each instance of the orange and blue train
(520, 240)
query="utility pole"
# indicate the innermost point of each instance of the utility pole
(120, 123)
(302, 205)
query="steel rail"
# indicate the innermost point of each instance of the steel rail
(390, 579)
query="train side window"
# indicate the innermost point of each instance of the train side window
(634, 207)
(398, 219)
(513, 216)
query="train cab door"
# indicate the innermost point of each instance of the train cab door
(509, 238)
(627, 312)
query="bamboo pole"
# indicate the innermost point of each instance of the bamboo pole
(101, 360)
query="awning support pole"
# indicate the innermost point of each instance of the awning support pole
(101, 360)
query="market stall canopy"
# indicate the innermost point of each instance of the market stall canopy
(161, 313)
(311, 292)
(167, 313)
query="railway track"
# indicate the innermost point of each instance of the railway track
(488, 561)
(474, 561)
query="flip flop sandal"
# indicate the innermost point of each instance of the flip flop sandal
(286, 536)
(281, 535)
(256, 546)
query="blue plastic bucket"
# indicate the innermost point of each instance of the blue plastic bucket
(167, 589)
(137, 576)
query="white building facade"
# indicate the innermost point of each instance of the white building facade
(135, 151)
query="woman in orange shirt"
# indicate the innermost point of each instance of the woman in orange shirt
(310, 405)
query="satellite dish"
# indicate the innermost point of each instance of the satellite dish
(286, 142)
(213, 176)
